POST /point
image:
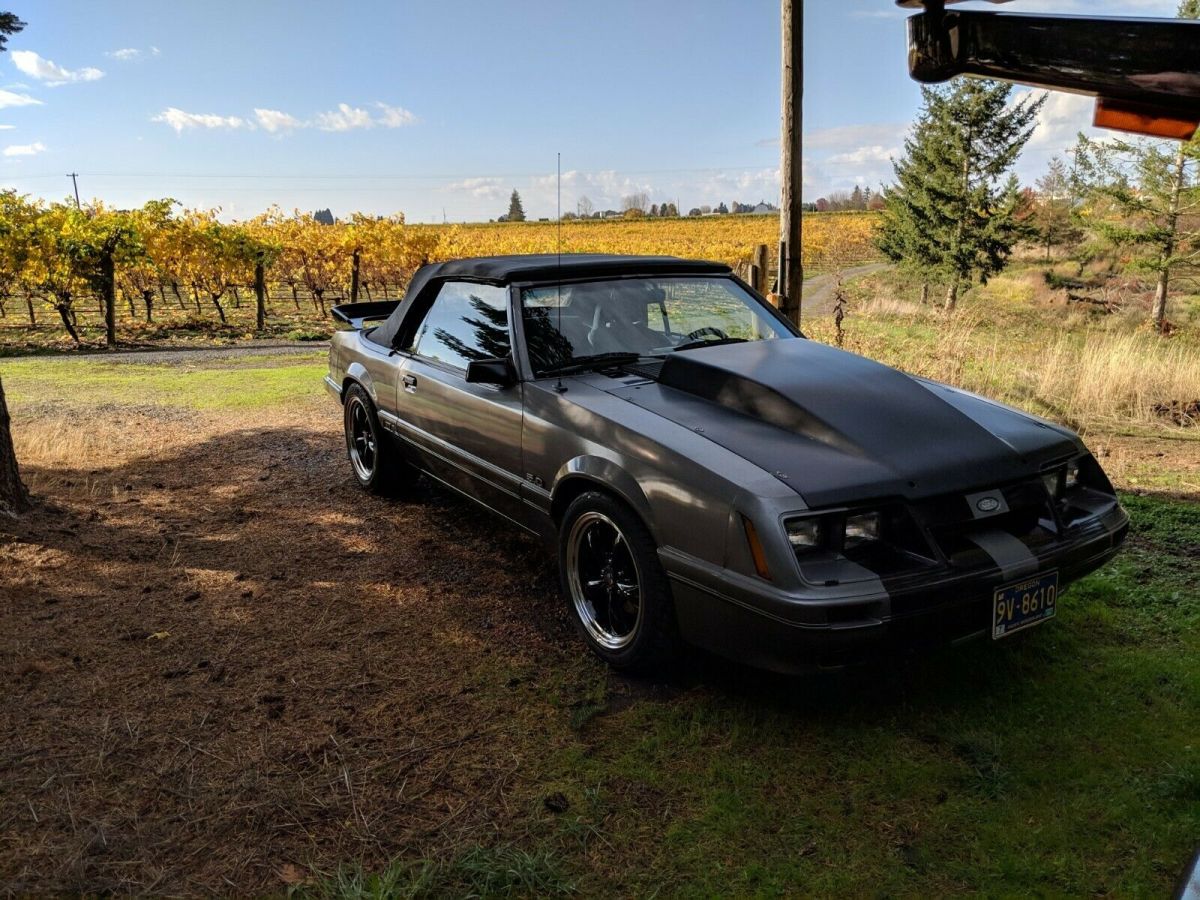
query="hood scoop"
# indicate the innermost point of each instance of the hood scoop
(840, 428)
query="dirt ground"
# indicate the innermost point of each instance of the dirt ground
(231, 665)
(227, 669)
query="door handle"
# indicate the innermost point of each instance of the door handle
(410, 383)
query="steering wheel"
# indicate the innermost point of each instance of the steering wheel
(707, 329)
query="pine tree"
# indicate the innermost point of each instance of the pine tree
(952, 214)
(516, 212)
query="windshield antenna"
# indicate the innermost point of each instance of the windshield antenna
(559, 387)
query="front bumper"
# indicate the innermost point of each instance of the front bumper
(751, 621)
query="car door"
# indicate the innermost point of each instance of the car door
(468, 435)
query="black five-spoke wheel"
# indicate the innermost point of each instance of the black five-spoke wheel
(614, 583)
(361, 440)
(377, 467)
(604, 579)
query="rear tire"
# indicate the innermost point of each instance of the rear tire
(376, 464)
(616, 590)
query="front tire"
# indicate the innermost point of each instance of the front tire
(376, 465)
(616, 589)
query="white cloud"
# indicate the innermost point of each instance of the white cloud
(51, 72)
(483, 188)
(7, 127)
(344, 118)
(394, 116)
(154, 51)
(863, 156)
(9, 98)
(24, 149)
(273, 120)
(182, 121)
(125, 54)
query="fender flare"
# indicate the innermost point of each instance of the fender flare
(357, 373)
(606, 475)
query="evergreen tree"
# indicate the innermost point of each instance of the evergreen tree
(1053, 213)
(952, 214)
(516, 212)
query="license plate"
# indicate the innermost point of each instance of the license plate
(1024, 604)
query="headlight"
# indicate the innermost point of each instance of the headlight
(863, 527)
(1053, 480)
(1072, 478)
(804, 534)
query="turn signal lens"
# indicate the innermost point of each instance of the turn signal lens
(756, 550)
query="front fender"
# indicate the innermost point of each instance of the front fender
(605, 474)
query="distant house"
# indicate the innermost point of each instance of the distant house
(763, 207)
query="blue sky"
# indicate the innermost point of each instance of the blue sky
(425, 107)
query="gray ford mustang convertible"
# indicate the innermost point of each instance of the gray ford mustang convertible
(706, 473)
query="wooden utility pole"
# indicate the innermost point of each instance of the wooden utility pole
(791, 272)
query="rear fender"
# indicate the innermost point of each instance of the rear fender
(357, 372)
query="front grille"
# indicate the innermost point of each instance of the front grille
(952, 524)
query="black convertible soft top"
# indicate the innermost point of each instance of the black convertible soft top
(544, 267)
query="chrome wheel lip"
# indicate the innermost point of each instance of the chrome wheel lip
(361, 443)
(584, 607)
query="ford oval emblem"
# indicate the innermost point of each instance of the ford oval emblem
(987, 504)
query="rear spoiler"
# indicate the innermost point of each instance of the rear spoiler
(358, 315)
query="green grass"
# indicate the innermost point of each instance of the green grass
(251, 382)
(1062, 762)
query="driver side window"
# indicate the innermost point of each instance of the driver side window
(467, 322)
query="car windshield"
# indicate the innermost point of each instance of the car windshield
(571, 324)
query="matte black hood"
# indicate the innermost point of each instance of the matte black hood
(840, 428)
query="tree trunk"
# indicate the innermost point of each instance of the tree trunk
(295, 298)
(196, 298)
(148, 297)
(129, 300)
(13, 496)
(924, 292)
(178, 296)
(162, 294)
(216, 299)
(108, 287)
(1158, 313)
(385, 293)
(367, 289)
(260, 296)
(237, 298)
(68, 318)
(29, 306)
(319, 300)
(355, 260)
(952, 295)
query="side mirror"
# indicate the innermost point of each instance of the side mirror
(498, 371)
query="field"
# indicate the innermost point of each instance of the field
(230, 670)
(184, 315)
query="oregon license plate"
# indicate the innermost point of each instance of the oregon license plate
(1023, 604)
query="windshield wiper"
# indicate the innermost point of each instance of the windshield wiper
(715, 342)
(594, 361)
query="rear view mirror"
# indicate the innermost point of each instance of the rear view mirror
(1144, 72)
(497, 371)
